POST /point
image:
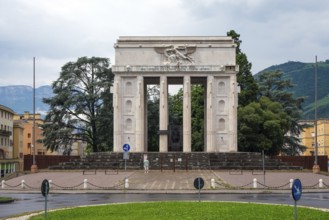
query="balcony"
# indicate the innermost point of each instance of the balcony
(5, 133)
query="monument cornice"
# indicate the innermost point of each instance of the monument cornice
(175, 68)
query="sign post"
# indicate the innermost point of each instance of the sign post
(45, 192)
(296, 192)
(198, 184)
(126, 149)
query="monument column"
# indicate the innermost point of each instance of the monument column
(187, 115)
(117, 110)
(163, 109)
(210, 115)
(140, 115)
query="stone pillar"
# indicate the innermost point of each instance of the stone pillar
(163, 109)
(187, 115)
(117, 111)
(233, 147)
(210, 116)
(140, 115)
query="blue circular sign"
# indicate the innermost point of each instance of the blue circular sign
(296, 189)
(126, 147)
(198, 183)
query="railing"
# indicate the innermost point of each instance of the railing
(5, 133)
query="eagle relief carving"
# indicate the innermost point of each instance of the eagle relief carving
(177, 55)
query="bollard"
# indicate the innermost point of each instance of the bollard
(2, 184)
(85, 184)
(320, 183)
(254, 183)
(126, 183)
(23, 184)
(291, 181)
(213, 183)
(50, 182)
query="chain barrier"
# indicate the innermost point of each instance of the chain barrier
(30, 187)
(18, 185)
(122, 183)
(274, 187)
(311, 187)
(327, 186)
(66, 187)
(106, 187)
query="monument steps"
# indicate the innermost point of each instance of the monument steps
(176, 160)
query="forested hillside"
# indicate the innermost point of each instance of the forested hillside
(303, 77)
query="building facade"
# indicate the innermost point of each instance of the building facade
(6, 132)
(142, 61)
(26, 121)
(308, 137)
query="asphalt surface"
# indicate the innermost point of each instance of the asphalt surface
(78, 188)
(163, 182)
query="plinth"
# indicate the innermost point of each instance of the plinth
(34, 168)
(316, 169)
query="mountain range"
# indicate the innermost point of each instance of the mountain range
(20, 98)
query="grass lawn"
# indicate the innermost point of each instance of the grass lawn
(5, 199)
(186, 210)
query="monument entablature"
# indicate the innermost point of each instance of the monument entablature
(209, 61)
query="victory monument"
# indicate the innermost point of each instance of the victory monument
(142, 61)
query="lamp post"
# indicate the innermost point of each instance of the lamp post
(316, 167)
(34, 167)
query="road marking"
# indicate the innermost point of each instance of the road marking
(153, 184)
(173, 185)
(167, 183)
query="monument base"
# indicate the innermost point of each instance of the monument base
(316, 169)
(34, 168)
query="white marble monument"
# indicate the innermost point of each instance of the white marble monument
(162, 60)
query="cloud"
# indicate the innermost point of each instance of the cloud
(56, 32)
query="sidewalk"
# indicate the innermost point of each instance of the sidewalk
(163, 182)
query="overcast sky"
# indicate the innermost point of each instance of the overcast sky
(59, 31)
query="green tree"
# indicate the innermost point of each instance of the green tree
(245, 79)
(81, 108)
(197, 114)
(153, 118)
(262, 126)
(275, 87)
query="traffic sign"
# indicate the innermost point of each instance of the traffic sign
(198, 183)
(126, 147)
(45, 187)
(296, 189)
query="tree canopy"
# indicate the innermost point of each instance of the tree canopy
(276, 88)
(81, 108)
(245, 79)
(262, 126)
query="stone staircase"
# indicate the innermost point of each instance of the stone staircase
(176, 160)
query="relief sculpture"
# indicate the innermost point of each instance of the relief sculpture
(177, 55)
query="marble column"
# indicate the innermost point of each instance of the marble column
(187, 115)
(117, 111)
(163, 109)
(140, 115)
(210, 115)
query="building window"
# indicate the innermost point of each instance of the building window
(29, 135)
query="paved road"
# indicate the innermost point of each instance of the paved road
(156, 186)
(36, 202)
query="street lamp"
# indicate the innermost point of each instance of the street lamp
(34, 167)
(316, 167)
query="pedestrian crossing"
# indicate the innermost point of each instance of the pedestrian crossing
(170, 180)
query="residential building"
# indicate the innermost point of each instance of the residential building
(308, 137)
(27, 120)
(6, 132)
